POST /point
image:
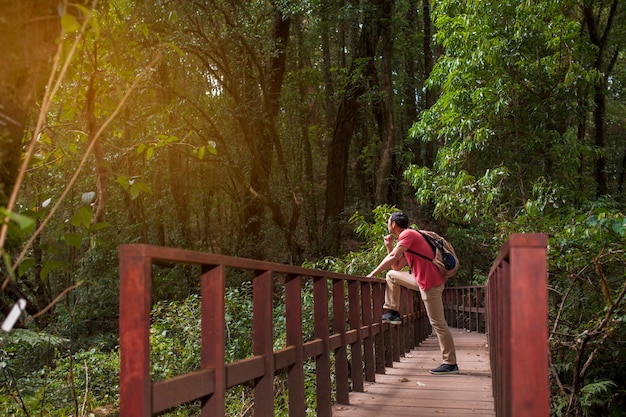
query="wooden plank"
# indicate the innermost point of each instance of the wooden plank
(181, 389)
(408, 389)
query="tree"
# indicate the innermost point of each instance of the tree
(28, 34)
(362, 71)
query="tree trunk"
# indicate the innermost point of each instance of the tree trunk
(338, 152)
(429, 63)
(599, 38)
(386, 126)
(262, 151)
(27, 34)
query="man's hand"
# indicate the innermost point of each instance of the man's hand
(388, 242)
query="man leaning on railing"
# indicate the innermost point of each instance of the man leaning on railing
(423, 275)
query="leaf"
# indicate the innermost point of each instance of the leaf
(73, 239)
(25, 266)
(51, 266)
(8, 264)
(24, 222)
(149, 153)
(123, 181)
(69, 23)
(176, 49)
(138, 187)
(201, 152)
(99, 226)
(619, 226)
(82, 218)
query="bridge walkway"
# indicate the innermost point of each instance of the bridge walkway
(408, 389)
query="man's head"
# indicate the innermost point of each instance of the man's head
(400, 219)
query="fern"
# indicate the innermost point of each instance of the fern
(596, 393)
(34, 339)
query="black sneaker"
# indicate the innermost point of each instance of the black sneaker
(445, 369)
(392, 317)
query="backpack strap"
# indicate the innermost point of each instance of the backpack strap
(419, 254)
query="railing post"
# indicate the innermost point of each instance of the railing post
(518, 310)
(368, 343)
(213, 327)
(263, 344)
(322, 362)
(341, 353)
(379, 340)
(134, 322)
(293, 324)
(356, 348)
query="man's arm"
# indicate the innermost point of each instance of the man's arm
(394, 259)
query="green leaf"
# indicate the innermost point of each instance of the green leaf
(24, 222)
(8, 264)
(99, 226)
(73, 239)
(82, 218)
(177, 50)
(123, 181)
(69, 23)
(138, 187)
(149, 153)
(51, 266)
(25, 266)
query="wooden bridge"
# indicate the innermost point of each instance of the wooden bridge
(363, 367)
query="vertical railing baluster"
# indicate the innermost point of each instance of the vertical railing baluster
(379, 340)
(213, 336)
(293, 323)
(356, 348)
(368, 343)
(322, 361)
(134, 323)
(263, 342)
(342, 385)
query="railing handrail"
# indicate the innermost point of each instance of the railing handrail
(355, 324)
(511, 308)
(517, 301)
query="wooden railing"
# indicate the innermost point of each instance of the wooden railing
(517, 300)
(349, 346)
(465, 307)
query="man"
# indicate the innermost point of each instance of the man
(423, 276)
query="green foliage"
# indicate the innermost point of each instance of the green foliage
(458, 196)
(587, 306)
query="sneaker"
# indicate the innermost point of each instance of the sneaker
(392, 317)
(445, 369)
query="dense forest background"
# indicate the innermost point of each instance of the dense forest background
(285, 130)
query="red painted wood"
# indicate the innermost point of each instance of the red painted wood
(516, 296)
(263, 343)
(518, 317)
(368, 344)
(134, 322)
(356, 348)
(322, 361)
(213, 328)
(342, 386)
(295, 373)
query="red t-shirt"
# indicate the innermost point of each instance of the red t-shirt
(425, 272)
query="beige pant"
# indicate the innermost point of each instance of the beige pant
(434, 308)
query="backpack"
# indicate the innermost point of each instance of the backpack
(445, 258)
